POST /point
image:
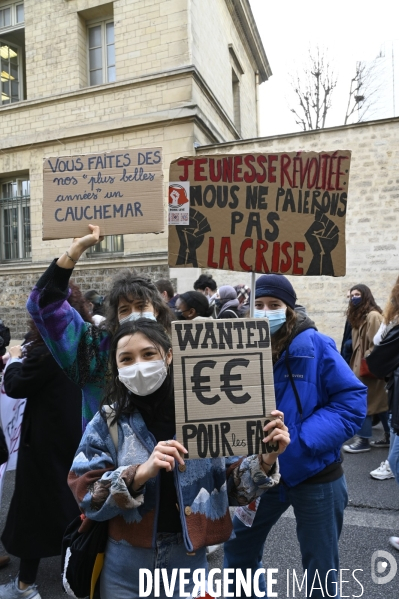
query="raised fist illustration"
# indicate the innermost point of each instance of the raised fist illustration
(191, 237)
(322, 237)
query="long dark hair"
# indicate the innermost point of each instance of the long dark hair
(127, 284)
(76, 299)
(357, 313)
(282, 338)
(159, 404)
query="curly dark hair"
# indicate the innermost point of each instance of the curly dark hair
(357, 313)
(116, 394)
(128, 284)
(76, 299)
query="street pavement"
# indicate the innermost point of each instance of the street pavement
(370, 519)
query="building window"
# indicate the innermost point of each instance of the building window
(12, 52)
(236, 101)
(10, 72)
(101, 50)
(110, 243)
(15, 238)
(11, 14)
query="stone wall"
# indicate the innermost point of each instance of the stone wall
(150, 36)
(15, 290)
(372, 221)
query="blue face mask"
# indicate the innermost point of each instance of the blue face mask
(137, 315)
(356, 300)
(276, 318)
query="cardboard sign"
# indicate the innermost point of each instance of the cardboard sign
(121, 191)
(224, 390)
(267, 213)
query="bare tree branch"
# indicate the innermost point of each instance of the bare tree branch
(313, 89)
(362, 91)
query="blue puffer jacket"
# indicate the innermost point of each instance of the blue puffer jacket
(333, 400)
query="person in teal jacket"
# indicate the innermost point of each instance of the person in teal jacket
(324, 404)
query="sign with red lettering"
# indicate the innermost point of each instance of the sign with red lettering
(121, 191)
(267, 213)
(224, 390)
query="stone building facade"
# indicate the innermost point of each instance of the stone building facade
(372, 220)
(81, 76)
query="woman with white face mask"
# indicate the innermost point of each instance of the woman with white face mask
(80, 348)
(324, 404)
(162, 510)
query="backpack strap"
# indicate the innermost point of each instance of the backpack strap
(231, 312)
(295, 390)
(113, 428)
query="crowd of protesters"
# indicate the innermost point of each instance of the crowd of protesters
(84, 353)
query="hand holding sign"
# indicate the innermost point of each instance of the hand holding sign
(78, 246)
(163, 457)
(323, 237)
(278, 434)
(90, 239)
(15, 351)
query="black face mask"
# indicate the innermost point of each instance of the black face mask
(180, 315)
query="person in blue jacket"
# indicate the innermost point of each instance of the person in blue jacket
(324, 404)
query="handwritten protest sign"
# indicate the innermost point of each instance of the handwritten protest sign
(279, 213)
(11, 414)
(121, 191)
(224, 389)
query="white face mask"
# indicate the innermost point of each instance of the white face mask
(137, 315)
(143, 378)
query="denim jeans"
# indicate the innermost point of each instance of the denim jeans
(393, 456)
(366, 430)
(319, 511)
(120, 574)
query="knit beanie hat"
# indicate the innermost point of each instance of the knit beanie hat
(276, 286)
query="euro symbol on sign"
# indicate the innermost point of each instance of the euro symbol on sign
(227, 379)
(198, 379)
(200, 387)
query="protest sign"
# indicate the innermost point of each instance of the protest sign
(224, 389)
(11, 414)
(121, 191)
(267, 213)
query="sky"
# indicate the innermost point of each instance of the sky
(348, 30)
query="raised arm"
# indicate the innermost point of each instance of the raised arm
(80, 348)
